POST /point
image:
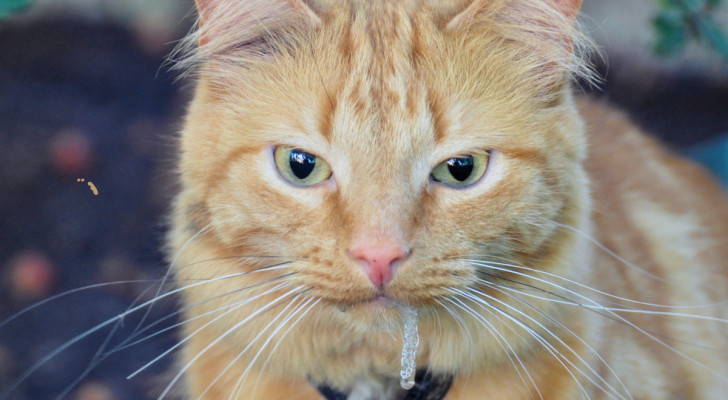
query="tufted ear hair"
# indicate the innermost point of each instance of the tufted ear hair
(546, 30)
(229, 29)
(242, 14)
(565, 11)
(570, 8)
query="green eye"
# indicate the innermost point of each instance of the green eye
(299, 167)
(461, 171)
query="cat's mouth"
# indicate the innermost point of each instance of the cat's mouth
(381, 300)
(379, 303)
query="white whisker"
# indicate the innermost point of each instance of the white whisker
(460, 322)
(616, 256)
(169, 271)
(126, 345)
(570, 281)
(615, 315)
(481, 301)
(602, 307)
(233, 307)
(241, 381)
(70, 292)
(502, 341)
(572, 333)
(250, 343)
(560, 358)
(216, 341)
(283, 335)
(102, 325)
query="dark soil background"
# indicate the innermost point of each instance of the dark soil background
(93, 102)
(80, 101)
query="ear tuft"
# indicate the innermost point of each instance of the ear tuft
(249, 30)
(570, 8)
(204, 6)
(465, 16)
(208, 9)
(218, 17)
(561, 12)
(545, 31)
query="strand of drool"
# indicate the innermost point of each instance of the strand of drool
(409, 347)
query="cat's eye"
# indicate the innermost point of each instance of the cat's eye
(461, 171)
(299, 167)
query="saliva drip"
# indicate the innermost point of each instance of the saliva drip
(409, 347)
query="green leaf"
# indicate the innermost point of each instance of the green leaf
(683, 5)
(714, 3)
(709, 30)
(692, 6)
(668, 4)
(672, 32)
(9, 6)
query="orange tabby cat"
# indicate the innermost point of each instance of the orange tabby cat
(351, 169)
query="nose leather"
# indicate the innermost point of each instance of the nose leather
(379, 259)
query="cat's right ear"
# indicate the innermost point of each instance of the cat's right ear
(233, 22)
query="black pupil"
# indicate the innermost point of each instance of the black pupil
(461, 167)
(301, 163)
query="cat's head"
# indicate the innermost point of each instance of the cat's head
(380, 152)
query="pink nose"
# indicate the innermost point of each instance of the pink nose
(378, 260)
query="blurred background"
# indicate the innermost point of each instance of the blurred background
(89, 110)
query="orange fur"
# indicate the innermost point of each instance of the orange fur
(383, 92)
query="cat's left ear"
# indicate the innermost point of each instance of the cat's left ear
(566, 12)
(544, 29)
(569, 7)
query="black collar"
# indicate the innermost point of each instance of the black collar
(427, 387)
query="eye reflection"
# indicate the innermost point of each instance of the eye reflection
(461, 171)
(299, 167)
(301, 163)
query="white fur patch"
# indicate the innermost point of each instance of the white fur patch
(371, 389)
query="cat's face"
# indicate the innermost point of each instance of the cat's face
(388, 130)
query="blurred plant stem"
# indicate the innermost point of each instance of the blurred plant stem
(679, 21)
(9, 6)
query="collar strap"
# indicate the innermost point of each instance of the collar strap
(427, 387)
